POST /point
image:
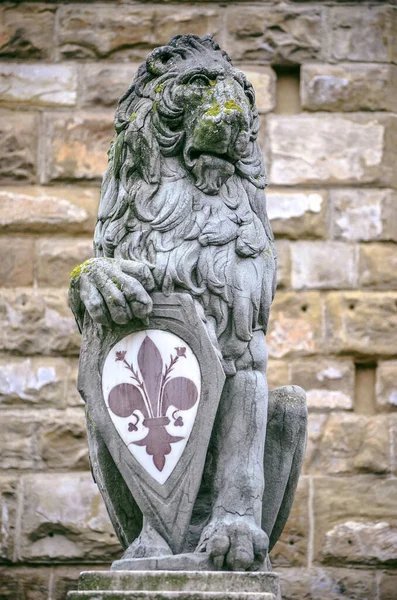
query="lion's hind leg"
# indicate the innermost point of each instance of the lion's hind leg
(285, 445)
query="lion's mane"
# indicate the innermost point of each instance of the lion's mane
(151, 212)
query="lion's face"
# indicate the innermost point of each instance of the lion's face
(217, 121)
(198, 107)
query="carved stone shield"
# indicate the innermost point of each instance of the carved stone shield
(152, 392)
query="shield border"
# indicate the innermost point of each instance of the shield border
(168, 506)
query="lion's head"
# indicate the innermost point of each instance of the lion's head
(188, 99)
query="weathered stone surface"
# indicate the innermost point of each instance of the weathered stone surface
(345, 149)
(264, 81)
(340, 584)
(38, 84)
(295, 324)
(48, 210)
(291, 548)
(277, 373)
(104, 84)
(269, 34)
(27, 31)
(128, 32)
(73, 397)
(298, 214)
(62, 441)
(361, 323)
(349, 87)
(362, 542)
(328, 584)
(294, 583)
(283, 264)
(328, 382)
(386, 385)
(77, 145)
(37, 322)
(378, 266)
(36, 381)
(362, 35)
(24, 583)
(8, 509)
(349, 443)
(18, 146)
(387, 585)
(323, 265)
(16, 265)
(17, 442)
(56, 257)
(364, 215)
(357, 503)
(65, 520)
(65, 579)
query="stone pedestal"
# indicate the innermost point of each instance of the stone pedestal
(176, 585)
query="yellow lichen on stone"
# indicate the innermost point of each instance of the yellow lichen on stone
(77, 271)
(132, 117)
(159, 88)
(213, 111)
(232, 105)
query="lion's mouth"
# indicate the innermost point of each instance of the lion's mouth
(211, 171)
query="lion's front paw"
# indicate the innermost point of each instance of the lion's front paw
(111, 290)
(235, 543)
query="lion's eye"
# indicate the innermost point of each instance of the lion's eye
(200, 80)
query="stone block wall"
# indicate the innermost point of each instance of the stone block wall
(326, 80)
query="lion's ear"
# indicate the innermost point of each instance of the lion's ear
(161, 59)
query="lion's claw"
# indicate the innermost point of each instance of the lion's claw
(111, 291)
(237, 543)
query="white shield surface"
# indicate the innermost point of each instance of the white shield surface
(151, 384)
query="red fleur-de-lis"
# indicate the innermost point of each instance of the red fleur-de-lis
(181, 351)
(120, 355)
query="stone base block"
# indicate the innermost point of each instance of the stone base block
(176, 585)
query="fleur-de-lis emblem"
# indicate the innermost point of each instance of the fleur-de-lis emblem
(152, 392)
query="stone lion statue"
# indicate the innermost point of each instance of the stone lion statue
(183, 209)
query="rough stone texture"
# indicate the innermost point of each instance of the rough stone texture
(298, 215)
(25, 583)
(346, 149)
(327, 265)
(8, 506)
(268, 34)
(18, 146)
(362, 324)
(37, 322)
(378, 266)
(57, 257)
(329, 382)
(364, 35)
(291, 549)
(39, 382)
(27, 31)
(348, 443)
(38, 85)
(128, 32)
(283, 264)
(264, 82)
(349, 87)
(386, 385)
(104, 84)
(295, 324)
(329, 584)
(62, 441)
(77, 145)
(16, 266)
(48, 210)
(65, 520)
(364, 215)
(358, 504)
